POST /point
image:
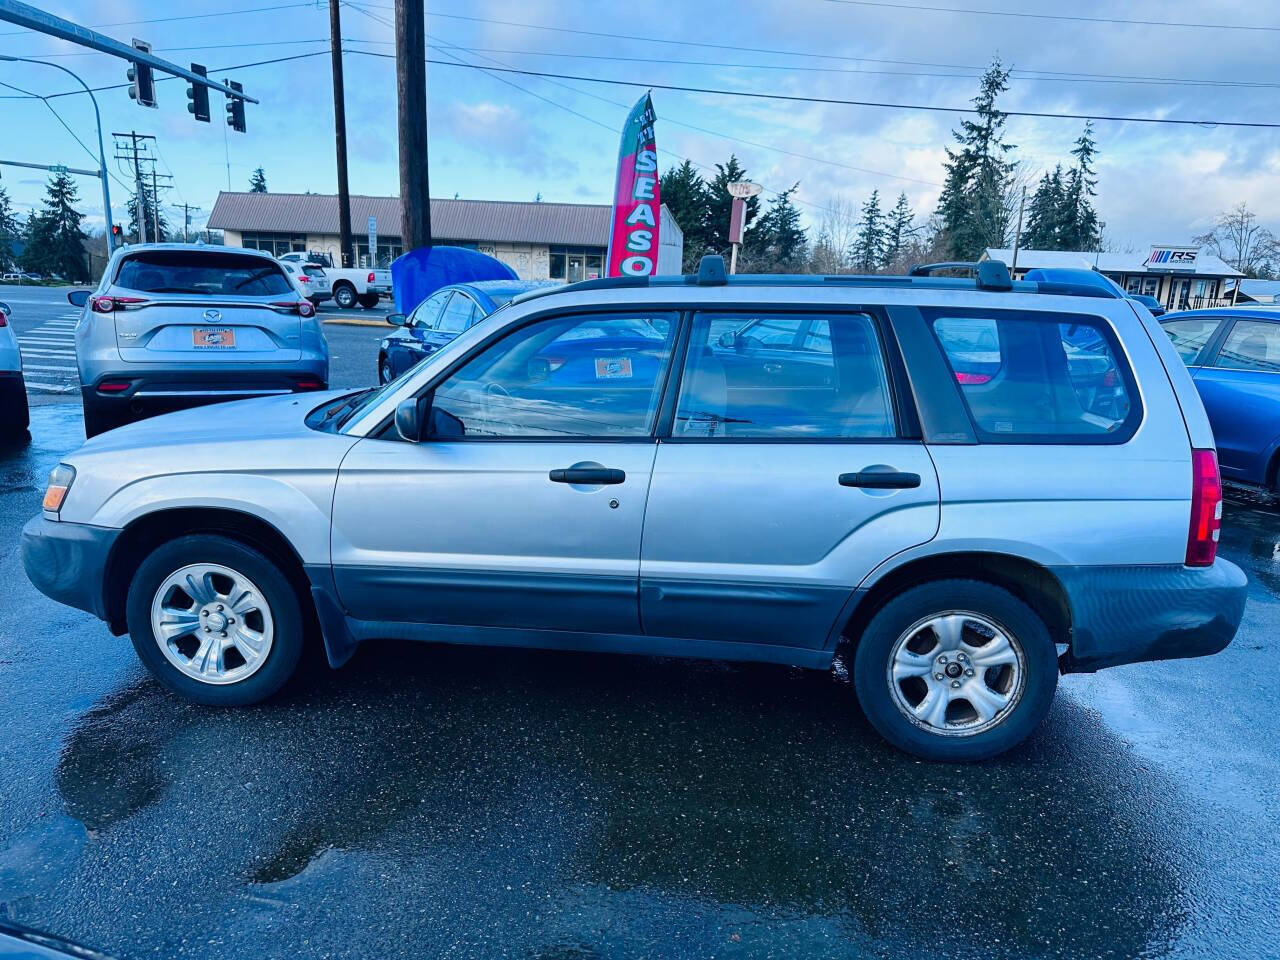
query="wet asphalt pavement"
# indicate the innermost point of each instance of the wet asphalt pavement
(428, 801)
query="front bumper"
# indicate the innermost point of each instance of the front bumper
(68, 561)
(1133, 614)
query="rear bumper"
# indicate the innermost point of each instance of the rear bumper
(1133, 614)
(152, 392)
(67, 561)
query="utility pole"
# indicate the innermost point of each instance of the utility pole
(140, 194)
(346, 256)
(411, 103)
(186, 220)
(1017, 237)
(155, 206)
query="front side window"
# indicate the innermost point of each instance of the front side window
(1190, 335)
(1251, 345)
(598, 376)
(798, 376)
(203, 272)
(1030, 377)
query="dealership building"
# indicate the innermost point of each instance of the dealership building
(1179, 277)
(540, 241)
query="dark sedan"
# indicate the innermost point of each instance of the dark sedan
(441, 317)
(1234, 357)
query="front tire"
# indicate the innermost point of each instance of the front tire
(955, 670)
(215, 620)
(344, 295)
(384, 369)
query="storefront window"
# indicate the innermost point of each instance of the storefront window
(276, 244)
(386, 253)
(572, 264)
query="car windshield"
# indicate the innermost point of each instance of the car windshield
(202, 272)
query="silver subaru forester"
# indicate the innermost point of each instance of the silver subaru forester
(174, 325)
(958, 487)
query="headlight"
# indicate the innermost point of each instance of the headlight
(60, 480)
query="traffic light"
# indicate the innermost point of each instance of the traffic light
(235, 108)
(199, 96)
(117, 231)
(143, 87)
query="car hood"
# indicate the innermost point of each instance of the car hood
(239, 422)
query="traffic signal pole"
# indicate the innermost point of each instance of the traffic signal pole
(346, 255)
(102, 154)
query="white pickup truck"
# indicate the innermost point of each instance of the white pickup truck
(349, 285)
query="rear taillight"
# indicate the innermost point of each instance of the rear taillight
(4, 320)
(303, 308)
(973, 378)
(1206, 509)
(371, 277)
(310, 385)
(108, 304)
(306, 309)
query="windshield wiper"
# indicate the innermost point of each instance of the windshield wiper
(347, 407)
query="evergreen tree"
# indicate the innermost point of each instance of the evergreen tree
(900, 231)
(55, 240)
(972, 206)
(685, 193)
(1081, 228)
(719, 204)
(1044, 227)
(10, 231)
(869, 244)
(258, 181)
(150, 217)
(777, 243)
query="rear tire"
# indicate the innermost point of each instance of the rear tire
(98, 421)
(205, 582)
(13, 424)
(344, 295)
(955, 670)
(369, 300)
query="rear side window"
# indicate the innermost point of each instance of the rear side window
(1190, 335)
(456, 315)
(203, 273)
(1251, 345)
(1039, 378)
(798, 376)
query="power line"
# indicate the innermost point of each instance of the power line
(1115, 21)
(188, 16)
(205, 46)
(878, 104)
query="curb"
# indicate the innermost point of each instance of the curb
(356, 322)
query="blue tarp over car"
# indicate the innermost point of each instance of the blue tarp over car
(418, 274)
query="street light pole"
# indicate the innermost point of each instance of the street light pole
(102, 155)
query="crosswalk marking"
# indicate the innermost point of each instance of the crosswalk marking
(49, 356)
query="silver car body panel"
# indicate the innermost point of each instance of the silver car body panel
(10, 353)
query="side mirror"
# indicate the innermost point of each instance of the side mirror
(396, 319)
(5, 309)
(78, 298)
(418, 419)
(728, 340)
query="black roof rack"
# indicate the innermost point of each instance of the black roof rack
(988, 275)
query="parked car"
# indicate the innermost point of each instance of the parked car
(955, 543)
(1148, 301)
(175, 325)
(350, 285)
(310, 281)
(1234, 357)
(14, 414)
(441, 317)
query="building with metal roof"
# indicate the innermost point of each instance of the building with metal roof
(1180, 277)
(559, 241)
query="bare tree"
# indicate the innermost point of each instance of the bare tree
(834, 239)
(1240, 240)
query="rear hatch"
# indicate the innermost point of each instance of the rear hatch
(319, 283)
(204, 306)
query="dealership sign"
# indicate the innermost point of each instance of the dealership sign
(633, 235)
(1172, 258)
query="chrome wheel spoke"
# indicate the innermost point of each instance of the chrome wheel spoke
(908, 664)
(948, 630)
(986, 702)
(178, 623)
(933, 708)
(998, 653)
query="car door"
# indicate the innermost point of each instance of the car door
(777, 493)
(405, 351)
(531, 517)
(1240, 388)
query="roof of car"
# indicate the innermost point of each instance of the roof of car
(193, 248)
(1261, 311)
(500, 291)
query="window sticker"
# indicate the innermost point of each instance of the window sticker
(613, 368)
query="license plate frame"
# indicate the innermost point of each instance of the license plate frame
(213, 338)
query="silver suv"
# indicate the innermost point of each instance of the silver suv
(958, 487)
(179, 325)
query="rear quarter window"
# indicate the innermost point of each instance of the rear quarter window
(1190, 334)
(1028, 377)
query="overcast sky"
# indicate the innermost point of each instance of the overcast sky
(514, 137)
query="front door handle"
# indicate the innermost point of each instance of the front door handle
(881, 480)
(588, 475)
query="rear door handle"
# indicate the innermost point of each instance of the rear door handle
(881, 480)
(588, 475)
